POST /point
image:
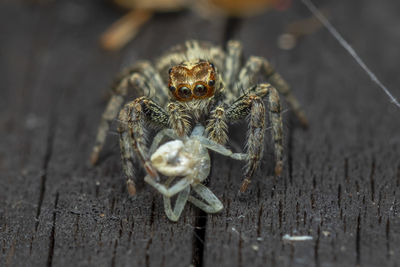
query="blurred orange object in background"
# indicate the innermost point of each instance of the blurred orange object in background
(126, 28)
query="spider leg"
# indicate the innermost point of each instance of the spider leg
(168, 191)
(232, 66)
(283, 87)
(212, 205)
(178, 120)
(154, 85)
(220, 148)
(132, 119)
(256, 65)
(142, 79)
(216, 125)
(156, 82)
(111, 112)
(251, 103)
(180, 203)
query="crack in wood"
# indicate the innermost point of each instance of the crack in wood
(11, 253)
(388, 237)
(358, 253)
(280, 212)
(43, 177)
(372, 180)
(228, 206)
(114, 253)
(152, 212)
(379, 207)
(100, 242)
(339, 196)
(116, 243)
(131, 231)
(290, 149)
(312, 200)
(398, 176)
(112, 205)
(259, 220)
(53, 234)
(198, 239)
(240, 245)
(76, 229)
(346, 170)
(147, 259)
(316, 248)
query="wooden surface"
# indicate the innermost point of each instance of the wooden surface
(341, 177)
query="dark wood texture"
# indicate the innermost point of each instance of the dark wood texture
(341, 179)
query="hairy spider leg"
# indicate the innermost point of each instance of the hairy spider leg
(217, 127)
(256, 65)
(139, 79)
(133, 134)
(178, 120)
(251, 104)
(233, 63)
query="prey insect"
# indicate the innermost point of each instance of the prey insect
(188, 158)
(197, 83)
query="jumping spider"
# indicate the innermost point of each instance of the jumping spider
(188, 158)
(197, 83)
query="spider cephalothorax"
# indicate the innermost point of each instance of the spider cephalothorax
(194, 85)
(193, 80)
(197, 83)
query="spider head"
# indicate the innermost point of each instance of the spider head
(193, 80)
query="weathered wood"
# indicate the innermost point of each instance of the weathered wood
(56, 209)
(341, 179)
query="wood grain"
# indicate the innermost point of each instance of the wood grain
(341, 178)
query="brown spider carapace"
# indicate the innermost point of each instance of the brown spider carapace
(197, 83)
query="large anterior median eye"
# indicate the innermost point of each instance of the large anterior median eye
(200, 90)
(184, 92)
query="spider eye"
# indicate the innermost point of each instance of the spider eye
(170, 70)
(200, 90)
(172, 88)
(184, 92)
(212, 65)
(211, 82)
